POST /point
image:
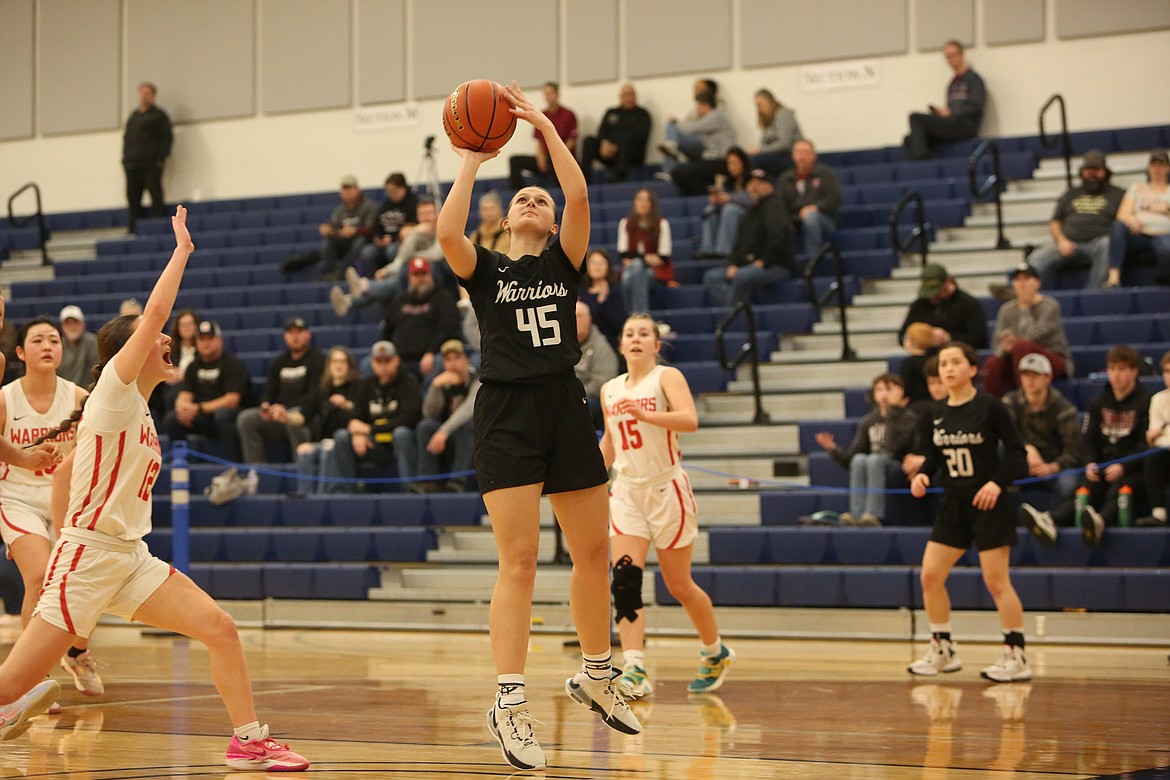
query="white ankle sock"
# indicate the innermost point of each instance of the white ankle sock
(249, 731)
(598, 666)
(1159, 512)
(511, 689)
(635, 658)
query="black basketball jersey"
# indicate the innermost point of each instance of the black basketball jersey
(964, 441)
(527, 314)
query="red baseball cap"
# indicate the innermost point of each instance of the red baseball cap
(418, 265)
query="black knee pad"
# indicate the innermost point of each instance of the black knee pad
(627, 589)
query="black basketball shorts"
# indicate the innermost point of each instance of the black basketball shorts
(531, 433)
(959, 523)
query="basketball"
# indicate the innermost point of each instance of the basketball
(478, 116)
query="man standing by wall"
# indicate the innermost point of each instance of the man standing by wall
(146, 144)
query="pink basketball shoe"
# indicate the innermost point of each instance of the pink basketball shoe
(264, 754)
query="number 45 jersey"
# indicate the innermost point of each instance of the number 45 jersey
(644, 454)
(527, 314)
(964, 442)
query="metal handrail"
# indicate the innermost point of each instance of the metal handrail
(1065, 143)
(994, 183)
(836, 287)
(921, 228)
(745, 351)
(39, 216)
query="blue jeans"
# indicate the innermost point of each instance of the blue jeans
(689, 146)
(459, 448)
(816, 228)
(637, 278)
(1047, 260)
(313, 464)
(373, 257)
(345, 460)
(867, 477)
(719, 226)
(728, 292)
(1122, 242)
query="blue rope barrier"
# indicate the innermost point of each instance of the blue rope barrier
(316, 478)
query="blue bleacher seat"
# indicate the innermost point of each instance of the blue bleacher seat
(810, 587)
(1092, 589)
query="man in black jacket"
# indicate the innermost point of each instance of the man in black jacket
(620, 143)
(420, 318)
(216, 386)
(951, 313)
(812, 193)
(146, 144)
(959, 119)
(386, 408)
(762, 253)
(293, 377)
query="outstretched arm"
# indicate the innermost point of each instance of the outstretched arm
(456, 246)
(130, 359)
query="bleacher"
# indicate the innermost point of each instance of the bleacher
(276, 546)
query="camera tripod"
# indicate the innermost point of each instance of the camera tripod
(428, 172)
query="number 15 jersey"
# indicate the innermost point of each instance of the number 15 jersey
(527, 314)
(644, 454)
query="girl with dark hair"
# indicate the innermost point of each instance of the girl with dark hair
(645, 247)
(964, 438)
(30, 406)
(533, 434)
(328, 410)
(603, 294)
(100, 563)
(726, 204)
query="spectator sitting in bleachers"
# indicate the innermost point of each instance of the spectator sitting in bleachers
(1029, 324)
(762, 253)
(917, 343)
(959, 119)
(329, 409)
(645, 247)
(1051, 430)
(1143, 221)
(216, 386)
(445, 432)
(620, 143)
(883, 438)
(396, 212)
(715, 135)
(565, 122)
(602, 293)
(490, 233)
(420, 319)
(293, 377)
(598, 363)
(778, 132)
(78, 349)
(1117, 425)
(1157, 467)
(679, 145)
(130, 306)
(812, 194)
(952, 313)
(387, 407)
(1079, 227)
(726, 203)
(390, 279)
(183, 336)
(348, 230)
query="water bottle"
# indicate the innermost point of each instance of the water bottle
(1125, 506)
(1082, 502)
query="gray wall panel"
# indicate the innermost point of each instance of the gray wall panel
(16, 63)
(692, 36)
(1086, 18)
(200, 53)
(1013, 21)
(487, 46)
(592, 43)
(782, 32)
(305, 52)
(381, 51)
(80, 46)
(940, 20)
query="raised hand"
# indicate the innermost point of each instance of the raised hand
(179, 225)
(523, 109)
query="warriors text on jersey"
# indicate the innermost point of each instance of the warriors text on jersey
(643, 453)
(964, 440)
(527, 314)
(117, 462)
(23, 426)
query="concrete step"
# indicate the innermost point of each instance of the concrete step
(24, 265)
(832, 341)
(906, 289)
(479, 547)
(985, 237)
(1011, 219)
(1119, 162)
(828, 354)
(753, 470)
(1031, 210)
(741, 439)
(829, 376)
(781, 407)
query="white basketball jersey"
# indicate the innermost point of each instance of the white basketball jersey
(23, 426)
(644, 453)
(117, 462)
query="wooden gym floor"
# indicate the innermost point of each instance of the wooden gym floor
(411, 705)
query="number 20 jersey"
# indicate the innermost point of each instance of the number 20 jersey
(527, 314)
(965, 442)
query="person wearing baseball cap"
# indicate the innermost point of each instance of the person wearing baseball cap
(79, 352)
(386, 408)
(762, 252)
(1079, 228)
(216, 385)
(349, 229)
(293, 377)
(444, 435)
(1029, 323)
(1143, 221)
(1051, 432)
(420, 318)
(952, 314)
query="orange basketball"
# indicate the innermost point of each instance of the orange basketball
(478, 116)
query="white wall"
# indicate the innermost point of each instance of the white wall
(1100, 78)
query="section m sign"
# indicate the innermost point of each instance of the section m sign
(851, 74)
